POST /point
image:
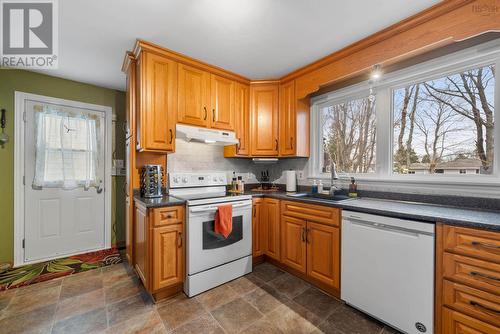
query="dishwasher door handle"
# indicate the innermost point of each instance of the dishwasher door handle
(386, 227)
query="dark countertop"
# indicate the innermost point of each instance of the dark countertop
(424, 212)
(159, 201)
(427, 213)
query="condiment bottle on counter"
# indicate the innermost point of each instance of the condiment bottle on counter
(241, 184)
(353, 188)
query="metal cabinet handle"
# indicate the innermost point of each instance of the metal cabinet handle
(303, 234)
(238, 145)
(213, 114)
(482, 245)
(205, 117)
(291, 143)
(171, 135)
(484, 308)
(179, 240)
(254, 211)
(488, 277)
(276, 144)
(307, 234)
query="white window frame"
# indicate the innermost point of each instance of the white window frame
(481, 55)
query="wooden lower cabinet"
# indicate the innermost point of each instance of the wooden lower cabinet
(270, 223)
(310, 243)
(266, 228)
(458, 323)
(467, 280)
(168, 256)
(257, 248)
(140, 244)
(293, 243)
(160, 249)
(323, 253)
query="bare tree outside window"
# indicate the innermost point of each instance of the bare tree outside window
(349, 132)
(445, 125)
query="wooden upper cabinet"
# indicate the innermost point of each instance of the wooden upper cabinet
(194, 96)
(287, 120)
(157, 103)
(264, 106)
(222, 103)
(242, 117)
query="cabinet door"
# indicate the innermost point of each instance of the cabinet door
(271, 213)
(293, 243)
(458, 323)
(256, 228)
(242, 117)
(287, 119)
(193, 96)
(264, 119)
(128, 230)
(140, 244)
(156, 124)
(222, 103)
(168, 256)
(323, 249)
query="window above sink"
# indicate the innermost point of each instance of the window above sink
(431, 123)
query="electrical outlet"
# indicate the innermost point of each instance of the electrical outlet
(300, 175)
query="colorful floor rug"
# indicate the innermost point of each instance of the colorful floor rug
(44, 271)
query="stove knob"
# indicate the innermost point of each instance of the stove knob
(215, 178)
(184, 179)
(221, 179)
(176, 179)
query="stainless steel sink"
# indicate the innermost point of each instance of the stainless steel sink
(326, 197)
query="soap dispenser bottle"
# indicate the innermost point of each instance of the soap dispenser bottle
(314, 189)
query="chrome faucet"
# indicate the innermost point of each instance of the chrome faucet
(334, 177)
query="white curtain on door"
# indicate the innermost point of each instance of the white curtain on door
(67, 148)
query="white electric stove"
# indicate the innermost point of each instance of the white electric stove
(211, 259)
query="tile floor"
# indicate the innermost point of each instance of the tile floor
(111, 300)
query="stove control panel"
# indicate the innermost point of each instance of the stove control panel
(184, 180)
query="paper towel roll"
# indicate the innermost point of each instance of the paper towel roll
(291, 180)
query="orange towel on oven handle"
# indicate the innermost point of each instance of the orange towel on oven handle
(224, 220)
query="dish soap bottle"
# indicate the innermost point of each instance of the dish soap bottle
(314, 188)
(320, 187)
(353, 188)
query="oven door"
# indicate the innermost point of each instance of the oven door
(206, 249)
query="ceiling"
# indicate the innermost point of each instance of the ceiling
(255, 38)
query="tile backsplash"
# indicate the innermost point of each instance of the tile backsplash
(200, 157)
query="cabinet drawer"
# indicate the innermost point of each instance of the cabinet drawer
(458, 323)
(310, 212)
(168, 215)
(476, 303)
(471, 242)
(473, 272)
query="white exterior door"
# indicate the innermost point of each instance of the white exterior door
(59, 220)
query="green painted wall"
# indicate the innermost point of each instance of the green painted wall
(30, 82)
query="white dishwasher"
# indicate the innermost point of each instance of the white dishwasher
(388, 270)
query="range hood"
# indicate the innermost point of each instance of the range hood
(203, 135)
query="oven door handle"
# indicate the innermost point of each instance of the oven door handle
(215, 208)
